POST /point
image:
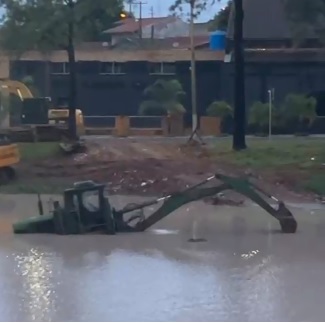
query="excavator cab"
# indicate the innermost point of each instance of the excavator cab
(85, 209)
(35, 111)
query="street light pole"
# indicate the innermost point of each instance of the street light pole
(271, 97)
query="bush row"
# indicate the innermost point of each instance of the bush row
(297, 112)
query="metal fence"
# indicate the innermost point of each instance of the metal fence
(147, 122)
(99, 121)
(138, 122)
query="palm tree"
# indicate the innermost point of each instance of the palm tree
(162, 98)
(223, 111)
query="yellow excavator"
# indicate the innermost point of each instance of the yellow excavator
(9, 157)
(36, 111)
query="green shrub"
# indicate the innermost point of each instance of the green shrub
(152, 108)
(299, 108)
(259, 115)
(219, 109)
(175, 108)
(164, 97)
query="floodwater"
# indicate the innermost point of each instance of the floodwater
(245, 270)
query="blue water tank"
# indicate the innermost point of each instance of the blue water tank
(218, 40)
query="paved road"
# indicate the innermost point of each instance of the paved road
(245, 271)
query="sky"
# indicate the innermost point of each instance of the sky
(161, 8)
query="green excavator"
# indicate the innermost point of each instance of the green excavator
(86, 209)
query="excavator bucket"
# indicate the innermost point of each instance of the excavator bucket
(287, 222)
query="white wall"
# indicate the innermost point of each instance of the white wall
(117, 38)
(178, 28)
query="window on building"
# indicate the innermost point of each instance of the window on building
(60, 68)
(24, 68)
(112, 68)
(162, 68)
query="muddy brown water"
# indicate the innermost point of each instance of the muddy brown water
(245, 271)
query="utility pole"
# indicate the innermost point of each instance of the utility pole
(140, 3)
(73, 76)
(193, 69)
(152, 35)
(239, 141)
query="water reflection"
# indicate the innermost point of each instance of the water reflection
(244, 271)
(36, 272)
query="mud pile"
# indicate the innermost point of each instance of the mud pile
(127, 169)
(150, 167)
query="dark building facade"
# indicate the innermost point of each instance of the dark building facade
(117, 88)
(107, 89)
(111, 88)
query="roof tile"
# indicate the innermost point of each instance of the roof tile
(132, 25)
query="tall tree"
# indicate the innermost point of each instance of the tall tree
(95, 16)
(56, 24)
(306, 18)
(23, 17)
(197, 6)
(220, 20)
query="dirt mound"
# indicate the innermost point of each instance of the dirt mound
(151, 167)
(128, 167)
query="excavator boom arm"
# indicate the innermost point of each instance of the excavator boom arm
(173, 202)
(16, 88)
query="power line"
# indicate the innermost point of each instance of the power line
(140, 4)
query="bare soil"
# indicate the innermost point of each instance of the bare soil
(151, 168)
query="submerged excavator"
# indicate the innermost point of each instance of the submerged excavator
(86, 209)
(39, 111)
